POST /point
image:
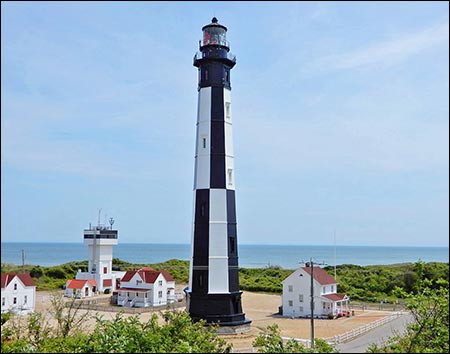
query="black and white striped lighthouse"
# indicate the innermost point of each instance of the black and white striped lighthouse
(213, 293)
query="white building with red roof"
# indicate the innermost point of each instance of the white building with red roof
(81, 288)
(18, 293)
(146, 287)
(296, 297)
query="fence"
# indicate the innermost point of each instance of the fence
(344, 337)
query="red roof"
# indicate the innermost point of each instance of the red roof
(334, 297)
(148, 275)
(320, 275)
(25, 278)
(80, 283)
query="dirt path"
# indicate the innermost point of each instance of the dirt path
(262, 310)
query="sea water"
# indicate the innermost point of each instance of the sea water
(250, 256)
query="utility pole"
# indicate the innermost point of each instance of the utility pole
(311, 264)
(312, 303)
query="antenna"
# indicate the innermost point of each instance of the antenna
(23, 261)
(334, 253)
(99, 212)
(111, 222)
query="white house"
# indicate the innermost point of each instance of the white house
(296, 297)
(81, 288)
(146, 287)
(18, 293)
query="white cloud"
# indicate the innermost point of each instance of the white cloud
(387, 52)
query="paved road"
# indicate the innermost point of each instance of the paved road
(377, 335)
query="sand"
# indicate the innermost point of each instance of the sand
(262, 310)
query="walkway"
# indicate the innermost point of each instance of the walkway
(377, 335)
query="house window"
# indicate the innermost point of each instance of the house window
(301, 308)
(138, 282)
(300, 298)
(145, 295)
(228, 110)
(3, 301)
(15, 300)
(15, 286)
(25, 298)
(160, 294)
(290, 288)
(105, 270)
(332, 288)
(160, 283)
(137, 294)
(324, 290)
(290, 303)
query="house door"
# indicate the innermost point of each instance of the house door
(86, 291)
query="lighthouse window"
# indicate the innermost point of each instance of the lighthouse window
(227, 76)
(230, 177)
(232, 244)
(228, 110)
(206, 74)
(204, 142)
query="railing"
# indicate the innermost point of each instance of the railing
(122, 302)
(344, 337)
(132, 302)
(201, 55)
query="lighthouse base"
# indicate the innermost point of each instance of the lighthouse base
(220, 309)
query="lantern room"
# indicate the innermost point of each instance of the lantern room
(214, 34)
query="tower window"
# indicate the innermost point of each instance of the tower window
(232, 244)
(227, 76)
(206, 74)
(228, 110)
(230, 177)
(105, 270)
(202, 209)
(204, 142)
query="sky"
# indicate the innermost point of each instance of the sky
(340, 120)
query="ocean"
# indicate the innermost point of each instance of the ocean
(250, 256)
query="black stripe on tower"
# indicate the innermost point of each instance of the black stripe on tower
(217, 165)
(201, 242)
(233, 270)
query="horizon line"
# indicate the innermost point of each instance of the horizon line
(245, 244)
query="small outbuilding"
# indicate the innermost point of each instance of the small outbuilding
(80, 288)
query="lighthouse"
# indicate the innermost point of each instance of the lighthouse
(213, 293)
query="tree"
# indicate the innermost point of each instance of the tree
(428, 333)
(270, 341)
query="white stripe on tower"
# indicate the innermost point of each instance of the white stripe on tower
(218, 245)
(203, 148)
(229, 152)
